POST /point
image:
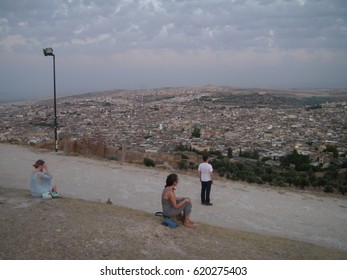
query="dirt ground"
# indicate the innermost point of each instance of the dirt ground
(303, 216)
(73, 229)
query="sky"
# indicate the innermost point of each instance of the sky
(136, 44)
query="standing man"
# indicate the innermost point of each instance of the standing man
(206, 178)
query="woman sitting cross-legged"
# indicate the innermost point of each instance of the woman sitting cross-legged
(175, 206)
(41, 181)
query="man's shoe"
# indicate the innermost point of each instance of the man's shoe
(203, 203)
(208, 204)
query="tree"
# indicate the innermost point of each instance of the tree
(196, 131)
(300, 161)
(230, 152)
(331, 149)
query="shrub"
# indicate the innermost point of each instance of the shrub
(183, 156)
(182, 164)
(342, 189)
(149, 162)
(111, 157)
(193, 165)
(328, 189)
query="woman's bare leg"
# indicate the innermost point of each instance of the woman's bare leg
(54, 188)
(188, 222)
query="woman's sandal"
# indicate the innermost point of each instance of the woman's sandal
(55, 195)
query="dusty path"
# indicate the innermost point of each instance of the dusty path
(299, 216)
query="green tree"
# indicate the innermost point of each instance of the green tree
(230, 152)
(300, 161)
(331, 149)
(196, 131)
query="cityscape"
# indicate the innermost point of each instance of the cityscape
(273, 122)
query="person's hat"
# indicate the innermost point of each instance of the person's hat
(38, 163)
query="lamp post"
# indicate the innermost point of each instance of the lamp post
(49, 52)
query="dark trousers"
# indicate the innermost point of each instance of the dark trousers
(205, 191)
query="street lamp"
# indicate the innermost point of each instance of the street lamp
(49, 52)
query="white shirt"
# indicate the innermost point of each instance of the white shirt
(205, 170)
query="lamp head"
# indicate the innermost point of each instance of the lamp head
(48, 51)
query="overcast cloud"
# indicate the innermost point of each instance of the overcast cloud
(111, 44)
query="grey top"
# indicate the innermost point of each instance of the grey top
(166, 204)
(40, 183)
(171, 211)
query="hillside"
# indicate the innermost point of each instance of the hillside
(70, 229)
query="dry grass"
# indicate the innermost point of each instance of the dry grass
(72, 229)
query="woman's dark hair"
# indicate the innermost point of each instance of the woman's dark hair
(171, 179)
(38, 163)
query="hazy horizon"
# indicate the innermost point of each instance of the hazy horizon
(144, 44)
(8, 99)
